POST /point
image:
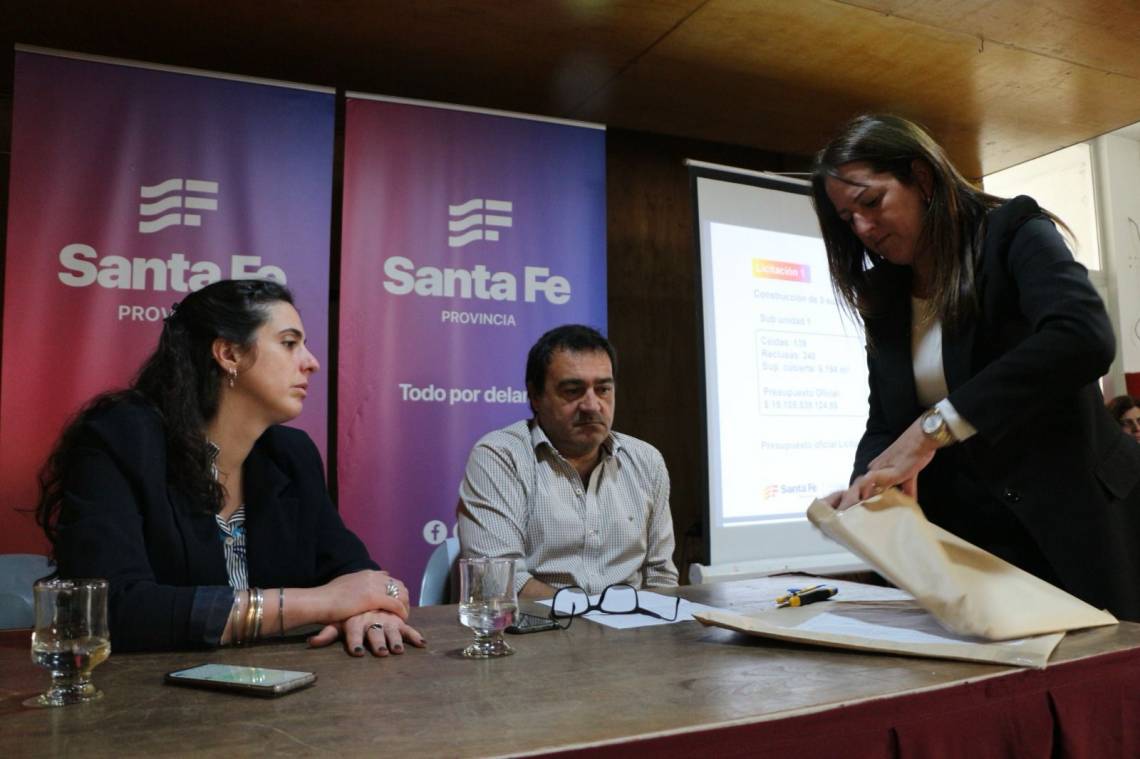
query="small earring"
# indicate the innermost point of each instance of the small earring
(233, 376)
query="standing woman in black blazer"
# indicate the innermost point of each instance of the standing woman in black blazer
(985, 342)
(212, 523)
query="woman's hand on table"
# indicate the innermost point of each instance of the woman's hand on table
(367, 610)
(376, 631)
(359, 592)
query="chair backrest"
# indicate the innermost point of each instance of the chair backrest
(18, 572)
(435, 588)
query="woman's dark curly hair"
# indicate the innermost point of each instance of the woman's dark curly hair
(182, 381)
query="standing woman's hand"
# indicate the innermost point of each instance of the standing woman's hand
(899, 465)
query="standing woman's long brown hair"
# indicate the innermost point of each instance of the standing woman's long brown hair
(952, 228)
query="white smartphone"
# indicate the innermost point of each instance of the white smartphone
(258, 681)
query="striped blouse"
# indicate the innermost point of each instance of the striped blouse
(233, 537)
(233, 534)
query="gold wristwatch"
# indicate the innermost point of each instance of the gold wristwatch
(936, 429)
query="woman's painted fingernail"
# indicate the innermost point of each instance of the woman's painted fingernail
(358, 650)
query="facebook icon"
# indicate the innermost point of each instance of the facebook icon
(435, 532)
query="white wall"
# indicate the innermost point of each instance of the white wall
(1063, 183)
(1095, 188)
(1116, 160)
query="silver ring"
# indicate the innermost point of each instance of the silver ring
(393, 589)
(376, 626)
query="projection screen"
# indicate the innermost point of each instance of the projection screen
(785, 375)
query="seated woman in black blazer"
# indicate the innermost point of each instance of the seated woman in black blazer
(211, 522)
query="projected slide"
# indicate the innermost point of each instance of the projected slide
(785, 375)
(790, 373)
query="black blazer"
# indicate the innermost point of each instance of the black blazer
(1048, 460)
(163, 557)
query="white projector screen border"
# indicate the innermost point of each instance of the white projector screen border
(734, 209)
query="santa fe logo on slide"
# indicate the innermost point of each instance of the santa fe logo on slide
(469, 223)
(163, 203)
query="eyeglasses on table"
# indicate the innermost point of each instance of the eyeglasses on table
(619, 598)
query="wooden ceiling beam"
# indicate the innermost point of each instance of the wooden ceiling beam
(997, 81)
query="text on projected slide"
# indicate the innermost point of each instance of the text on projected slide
(793, 363)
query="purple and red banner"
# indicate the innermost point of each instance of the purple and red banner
(130, 187)
(466, 236)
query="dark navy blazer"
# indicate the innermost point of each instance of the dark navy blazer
(1048, 460)
(163, 557)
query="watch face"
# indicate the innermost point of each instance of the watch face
(931, 423)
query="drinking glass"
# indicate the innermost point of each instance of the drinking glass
(487, 604)
(70, 638)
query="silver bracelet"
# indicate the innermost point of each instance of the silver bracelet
(281, 611)
(258, 599)
(235, 619)
(247, 623)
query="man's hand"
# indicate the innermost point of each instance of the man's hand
(536, 589)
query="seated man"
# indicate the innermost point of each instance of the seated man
(572, 501)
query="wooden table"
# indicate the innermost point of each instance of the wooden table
(681, 688)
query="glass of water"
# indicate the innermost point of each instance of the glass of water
(70, 638)
(487, 604)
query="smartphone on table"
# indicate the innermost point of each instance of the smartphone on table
(531, 623)
(256, 681)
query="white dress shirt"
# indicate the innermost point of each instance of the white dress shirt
(521, 499)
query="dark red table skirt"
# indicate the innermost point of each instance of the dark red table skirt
(1086, 708)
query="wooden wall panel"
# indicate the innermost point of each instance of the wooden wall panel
(654, 302)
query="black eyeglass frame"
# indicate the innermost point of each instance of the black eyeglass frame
(555, 615)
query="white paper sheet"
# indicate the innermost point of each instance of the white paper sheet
(922, 628)
(891, 627)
